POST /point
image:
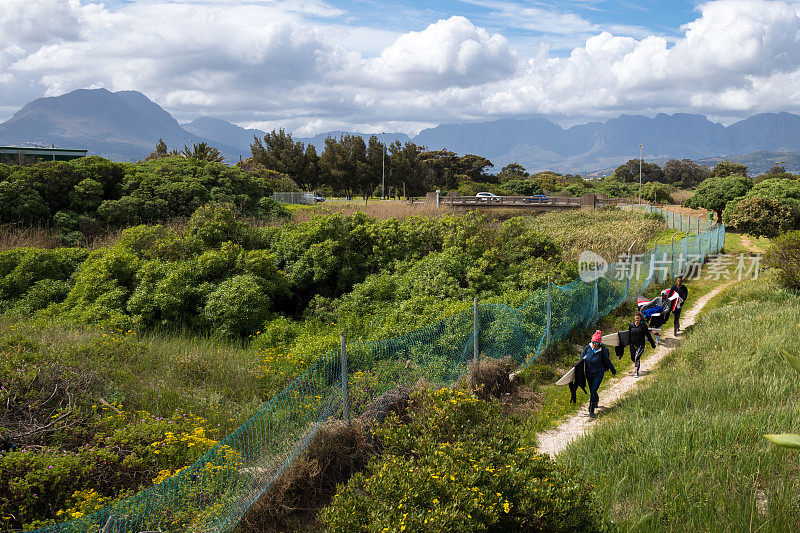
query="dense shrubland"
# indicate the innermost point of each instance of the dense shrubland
(82, 198)
(272, 298)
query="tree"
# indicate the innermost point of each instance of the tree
(343, 165)
(375, 160)
(685, 171)
(715, 192)
(203, 152)
(280, 152)
(405, 167)
(311, 168)
(440, 167)
(777, 188)
(758, 216)
(777, 168)
(728, 168)
(629, 172)
(550, 181)
(512, 171)
(160, 151)
(656, 193)
(474, 166)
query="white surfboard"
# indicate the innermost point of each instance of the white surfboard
(567, 378)
(612, 339)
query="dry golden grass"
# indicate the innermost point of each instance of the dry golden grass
(681, 196)
(13, 236)
(379, 209)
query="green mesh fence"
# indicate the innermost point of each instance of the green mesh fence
(214, 493)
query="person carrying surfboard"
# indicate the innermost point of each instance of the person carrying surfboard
(638, 332)
(683, 292)
(597, 361)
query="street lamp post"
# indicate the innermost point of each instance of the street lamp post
(383, 167)
(640, 173)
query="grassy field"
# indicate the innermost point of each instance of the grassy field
(687, 453)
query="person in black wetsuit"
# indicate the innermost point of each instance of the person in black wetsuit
(597, 361)
(638, 333)
(683, 292)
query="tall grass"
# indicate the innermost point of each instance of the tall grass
(160, 372)
(687, 452)
(608, 232)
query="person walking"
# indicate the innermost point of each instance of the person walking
(638, 333)
(596, 360)
(683, 292)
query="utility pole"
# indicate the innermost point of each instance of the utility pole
(640, 173)
(383, 167)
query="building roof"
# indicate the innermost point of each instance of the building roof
(36, 150)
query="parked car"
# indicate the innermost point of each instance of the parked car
(312, 198)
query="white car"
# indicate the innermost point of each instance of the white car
(486, 195)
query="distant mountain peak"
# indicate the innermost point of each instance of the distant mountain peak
(126, 125)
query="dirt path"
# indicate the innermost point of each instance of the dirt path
(749, 245)
(555, 440)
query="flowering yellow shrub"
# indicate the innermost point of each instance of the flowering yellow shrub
(460, 464)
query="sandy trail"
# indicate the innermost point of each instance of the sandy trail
(555, 440)
(749, 245)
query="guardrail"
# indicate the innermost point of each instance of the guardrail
(533, 201)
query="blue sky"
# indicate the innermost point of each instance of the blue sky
(508, 16)
(385, 65)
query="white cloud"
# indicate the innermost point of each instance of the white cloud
(451, 52)
(301, 66)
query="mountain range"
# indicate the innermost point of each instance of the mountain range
(125, 125)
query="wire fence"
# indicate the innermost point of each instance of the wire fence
(214, 493)
(295, 197)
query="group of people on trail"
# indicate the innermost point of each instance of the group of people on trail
(595, 359)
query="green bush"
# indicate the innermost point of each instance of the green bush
(762, 216)
(214, 224)
(21, 203)
(784, 256)
(657, 193)
(157, 242)
(238, 306)
(460, 464)
(33, 265)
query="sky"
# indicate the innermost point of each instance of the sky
(389, 65)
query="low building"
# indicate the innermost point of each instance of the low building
(22, 154)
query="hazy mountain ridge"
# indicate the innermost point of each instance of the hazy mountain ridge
(123, 125)
(126, 125)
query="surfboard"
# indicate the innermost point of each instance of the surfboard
(612, 339)
(567, 378)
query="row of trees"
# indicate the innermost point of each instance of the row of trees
(350, 165)
(768, 205)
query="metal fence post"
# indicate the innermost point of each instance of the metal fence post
(345, 392)
(699, 242)
(596, 304)
(475, 347)
(549, 307)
